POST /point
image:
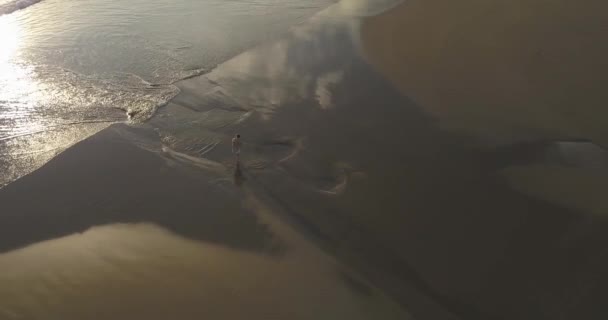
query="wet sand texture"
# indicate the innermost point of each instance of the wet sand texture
(493, 66)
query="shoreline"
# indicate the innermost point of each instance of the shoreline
(346, 185)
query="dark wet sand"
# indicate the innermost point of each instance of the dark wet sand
(398, 204)
(499, 68)
(148, 240)
(518, 74)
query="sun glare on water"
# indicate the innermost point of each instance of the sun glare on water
(18, 90)
(9, 41)
(30, 133)
(14, 80)
(16, 83)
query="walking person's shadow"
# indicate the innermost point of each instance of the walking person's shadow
(238, 176)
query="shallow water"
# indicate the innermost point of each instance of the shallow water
(67, 64)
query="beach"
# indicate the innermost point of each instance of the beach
(519, 81)
(494, 68)
(394, 165)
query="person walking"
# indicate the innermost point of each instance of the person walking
(236, 146)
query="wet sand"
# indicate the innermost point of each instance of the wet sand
(499, 69)
(150, 241)
(352, 201)
(514, 79)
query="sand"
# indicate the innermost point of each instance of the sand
(493, 67)
(502, 73)
(114, 232)
(352, 199)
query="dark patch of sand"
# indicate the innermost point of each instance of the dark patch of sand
(106, 179)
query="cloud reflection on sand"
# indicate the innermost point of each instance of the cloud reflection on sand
(493, 67)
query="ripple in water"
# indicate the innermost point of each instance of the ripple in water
(44, 110)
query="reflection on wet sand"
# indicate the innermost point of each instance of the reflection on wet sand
(520, 83)
(451, 210)
(150, 240)
(238, 176)
(336, 158)
(499, 69)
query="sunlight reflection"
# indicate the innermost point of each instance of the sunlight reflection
(9, 41)
(18, 91)
(15, 78)
(23, 146)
